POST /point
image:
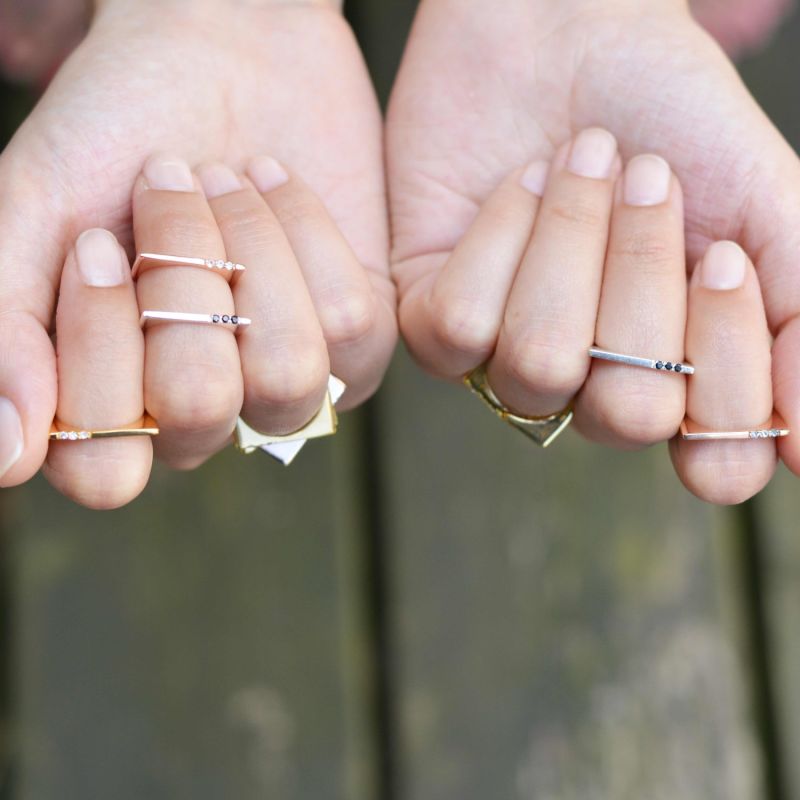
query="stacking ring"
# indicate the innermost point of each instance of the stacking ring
(144, 426)
(147, 261)
(647, 363)
(774, 429)
(232, 321)
(541, 430)
(285, 448)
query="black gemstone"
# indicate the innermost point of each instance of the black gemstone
(679, 368)
(235, 319)
(659, 365)
(226, 318)
(668, 365)
(215, 318)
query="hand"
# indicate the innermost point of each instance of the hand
(481, 92)
(212, 80)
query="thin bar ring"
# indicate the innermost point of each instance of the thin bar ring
(541, 430)
(774, 429)
(144, 426)
(647, 363)
(230, 321)
(147, 261)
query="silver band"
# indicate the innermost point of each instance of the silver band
(224, 320)
(145, 261)
(647, 363)
(692, 432)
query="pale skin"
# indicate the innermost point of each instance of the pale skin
(555, 68)
(200, 83)
(480, 93)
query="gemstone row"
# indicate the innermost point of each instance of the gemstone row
(669, 366)
(770, 434)
(73, 436)
(225, 319)
(220, 264)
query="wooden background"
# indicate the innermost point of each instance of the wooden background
(394, 618)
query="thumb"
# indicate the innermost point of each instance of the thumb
(30, 260)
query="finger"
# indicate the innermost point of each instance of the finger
(193, 380)
(29, 266)
(283, 354)
(451, 316)
(727, 341)
(642, 313)
(100, 374)
(357, 316)
(542, 355)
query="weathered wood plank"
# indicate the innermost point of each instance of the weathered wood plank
(561, 623)
(199, 643)
(773, 76)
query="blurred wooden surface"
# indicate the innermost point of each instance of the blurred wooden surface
(424, 608)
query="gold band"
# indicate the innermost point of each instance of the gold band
(285, 448)
(144, 426)
(541, 430)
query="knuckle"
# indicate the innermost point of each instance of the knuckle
(348, 319)
(547, 367)
(294, 375)
(197, 404)
(459, 326)
(579, 215)
(185, 225)
(727, 480)
(640, 418)
(300, 207)
(644, 249)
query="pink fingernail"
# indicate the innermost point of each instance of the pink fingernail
(218, 179)
(99, 259)
(534, 179)
(647, 180)
(267, 174)
(723, 267)
(12, 442)
(592, 154)
(168, 173)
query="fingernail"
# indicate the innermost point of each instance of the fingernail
(218, 179)
(266, 173)
(11, 439)
(723, 266)
(647, 180)
(99, 259)
(592, 154)
(534, 178)
(168, 173)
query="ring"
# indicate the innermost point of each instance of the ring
(197, 319)
(542, 430)
(285, 448)
(144, 426)
(774, 429)
(147, 261)
(635, 361)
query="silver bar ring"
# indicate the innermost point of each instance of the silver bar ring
(231, 321)
(647, 363)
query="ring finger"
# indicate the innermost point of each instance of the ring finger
(642, 313)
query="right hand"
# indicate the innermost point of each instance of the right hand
(213, 80)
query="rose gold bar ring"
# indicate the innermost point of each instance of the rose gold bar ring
(147, 261)
(775, 428)
(231, 321)
(144, 426)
